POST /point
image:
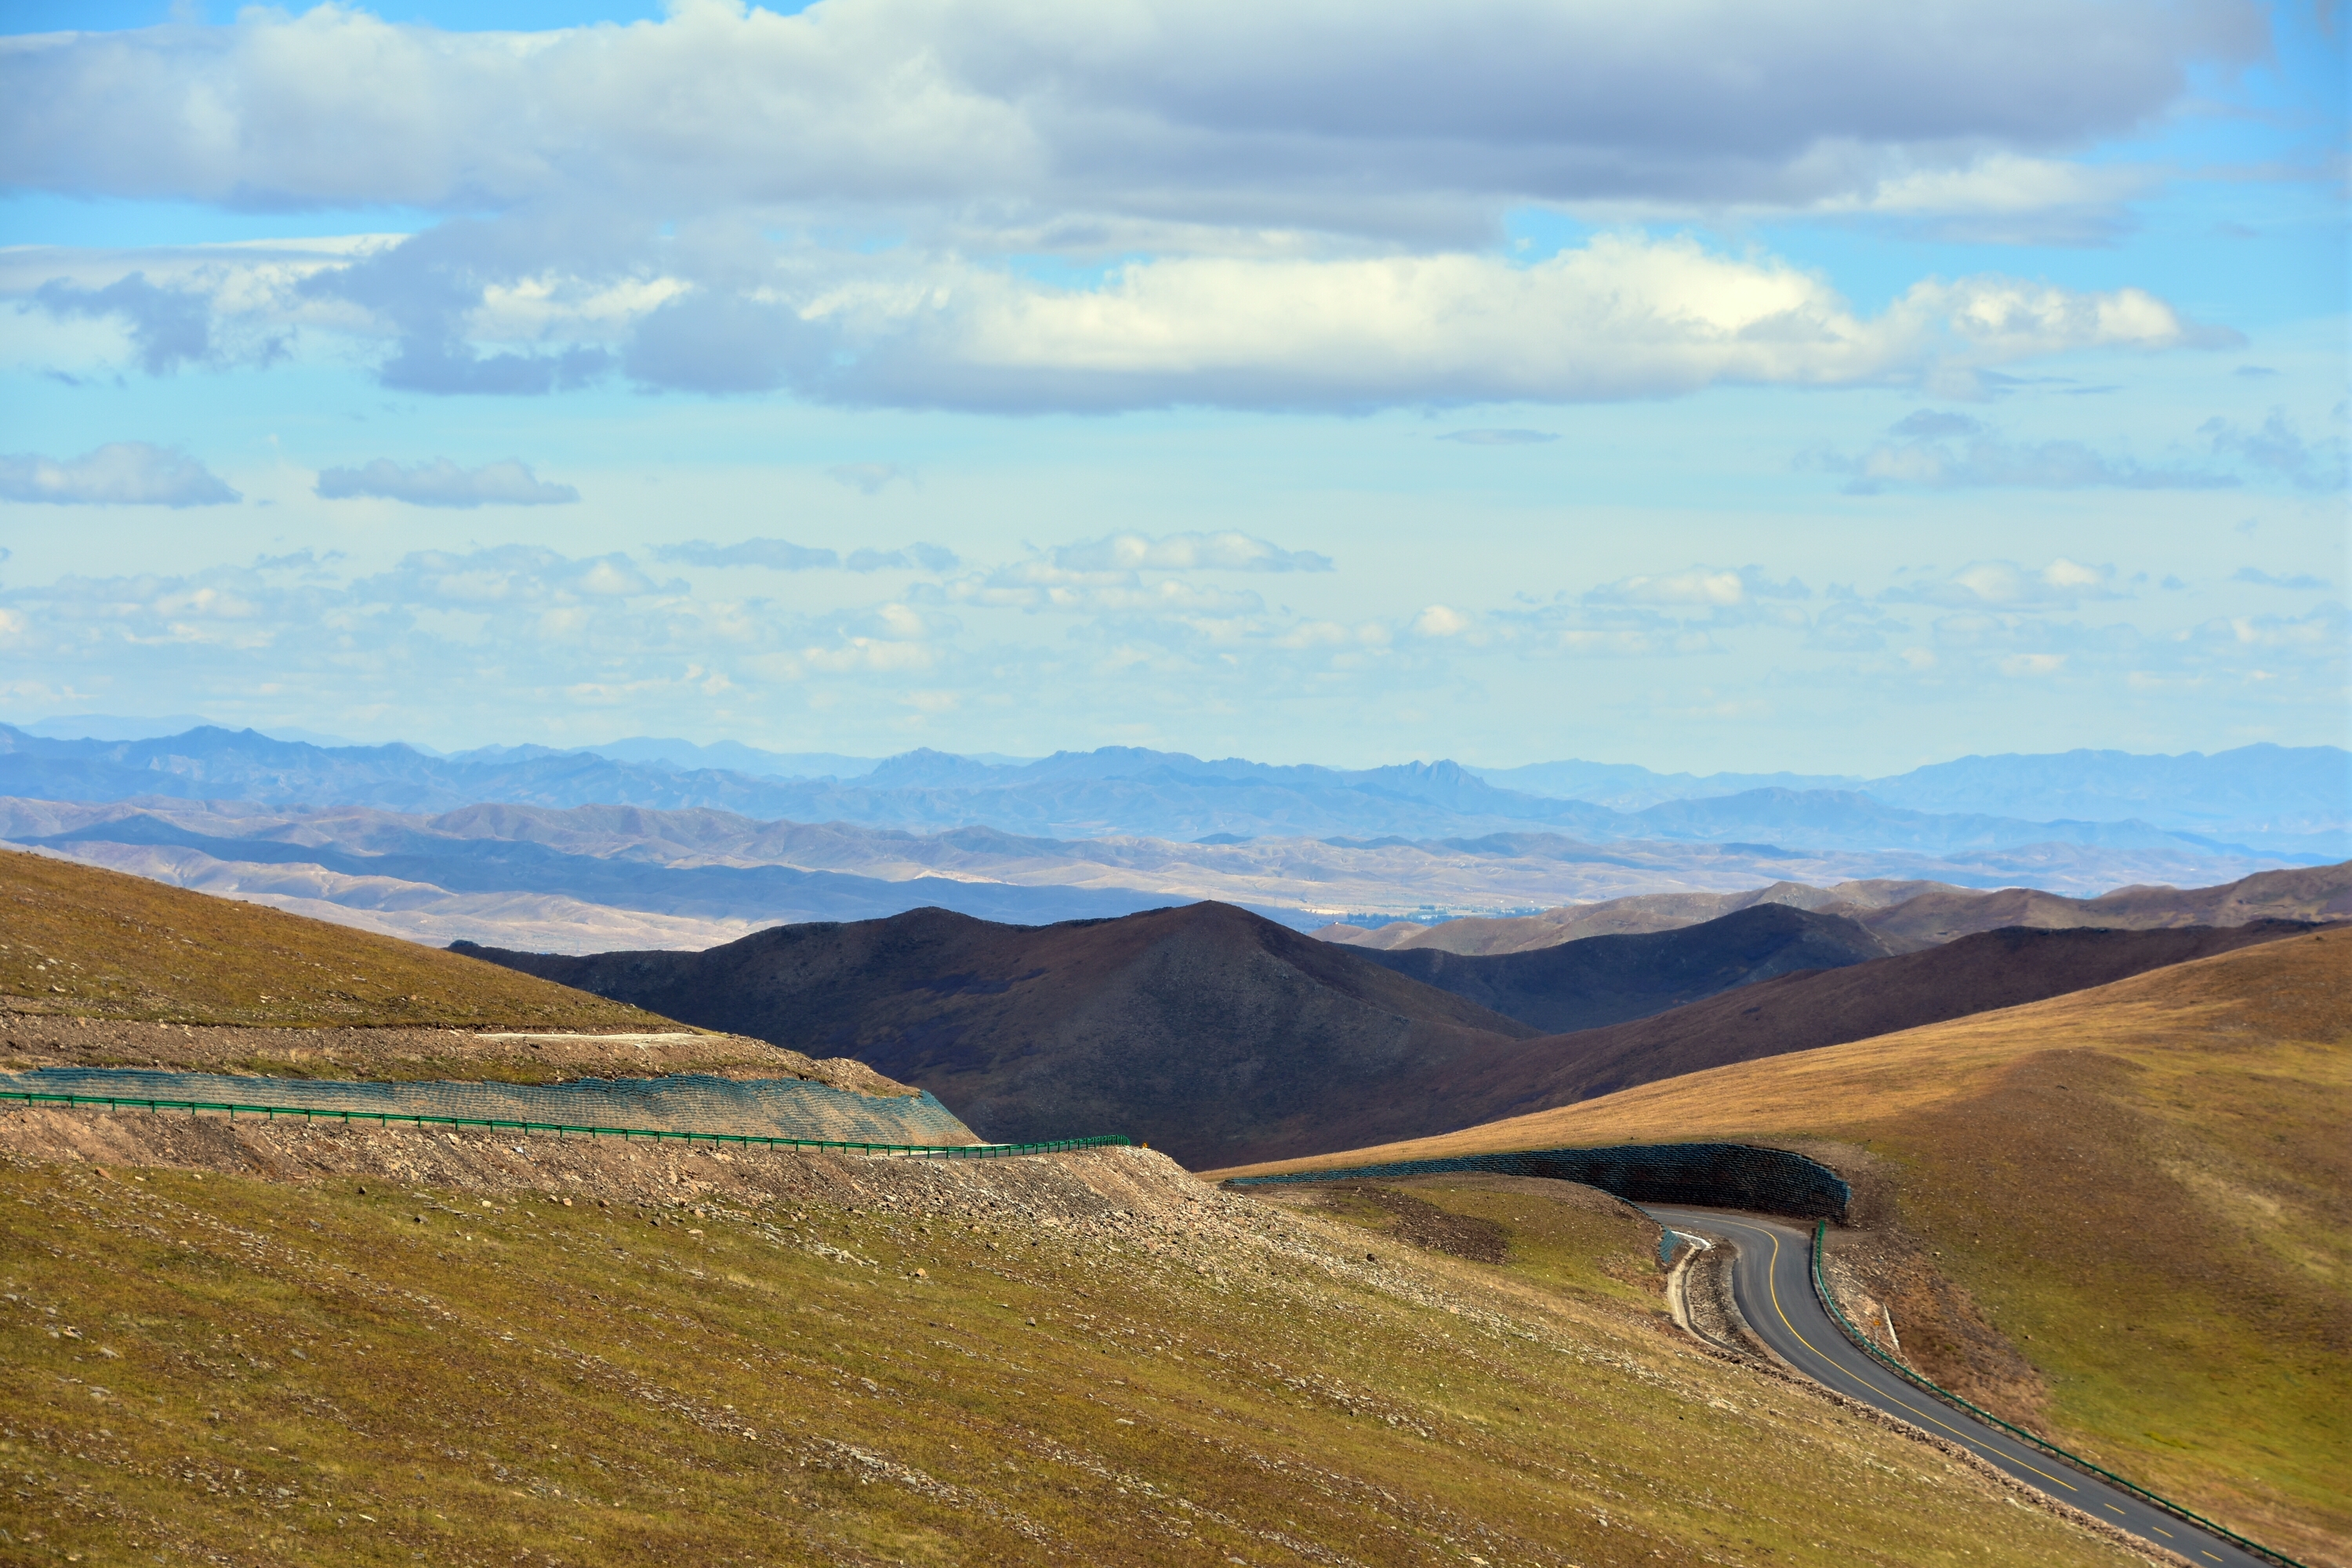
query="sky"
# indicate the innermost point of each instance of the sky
(1827, 386)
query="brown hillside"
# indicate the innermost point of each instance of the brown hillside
(1598, 981)
(76, 941)
(1804, 1012)
(2124, 1214)
(1204, 1030)
(1908, 915)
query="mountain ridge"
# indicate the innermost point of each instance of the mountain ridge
(1110, 792)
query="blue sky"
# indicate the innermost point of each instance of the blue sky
(1838, 390)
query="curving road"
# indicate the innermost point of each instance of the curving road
(1771, 1281)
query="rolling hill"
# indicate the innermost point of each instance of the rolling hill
(1907, 912)
(1806, 1011)
(79, 941)
(1603, 980)
(1217, 1035)
(2123, 1215)
(1200, 1029)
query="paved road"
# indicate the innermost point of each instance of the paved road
(1771, 1281)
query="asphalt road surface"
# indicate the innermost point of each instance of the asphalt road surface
(1771, 1281)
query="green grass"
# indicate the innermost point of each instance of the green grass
(94, 943)
(264, 1374)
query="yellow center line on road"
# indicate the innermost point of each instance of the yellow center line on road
(1772, 1287)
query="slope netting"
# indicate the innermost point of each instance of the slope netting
(690, 1102)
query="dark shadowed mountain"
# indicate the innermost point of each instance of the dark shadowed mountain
(1224, 1038)
(1597, 980)
(1204, 1030)
(1802, 1012)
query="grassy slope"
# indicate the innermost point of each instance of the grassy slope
(2146, 1190)
(269, 1373)
(95, 944)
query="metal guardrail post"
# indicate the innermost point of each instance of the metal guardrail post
(1822, 1290)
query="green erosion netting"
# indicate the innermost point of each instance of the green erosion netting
(690, 1102)
(1710, 1175)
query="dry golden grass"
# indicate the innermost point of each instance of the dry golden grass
(80, 940)
(2144, 1189)
(239, 1372)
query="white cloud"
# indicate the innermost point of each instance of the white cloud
(783, 555)
(1186, 552)
(1378, 120)
(2007, 585)
(443, 483)
(1313, 185)
(2301, 580)
(120, 473)
(1623, 316)
(1937, 449)
(1700, 587)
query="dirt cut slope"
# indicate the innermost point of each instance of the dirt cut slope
(1204, 1030)
(76, 941)
(2123, 1215)
(1598, 981)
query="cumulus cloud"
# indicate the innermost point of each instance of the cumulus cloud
(2260, 578)
(2006, 584)
(776, 554)
(473, 308)
(508, 576)
(1313, 185)
(1622, 317)
(120, 473)
(1701, 587)
(443, 483)
(915, 557)
(783, 555)
(1186, 552)
(1402, 119)
(2275, 447)
(169, 327)
(1937, 449)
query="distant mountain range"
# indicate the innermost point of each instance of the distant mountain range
(591, 877)
(2287, 805)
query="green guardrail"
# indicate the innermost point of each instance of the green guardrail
(1822, 1288)
(411, 1118)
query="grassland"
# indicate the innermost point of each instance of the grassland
(76, 939)
(809, 1363)
(2126, 1214)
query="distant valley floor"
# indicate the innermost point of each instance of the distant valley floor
(590, 879)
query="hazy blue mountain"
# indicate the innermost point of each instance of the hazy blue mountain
(2264, 796)
(735, 757)
(121, 727)
(1111, 793)
(1630, 787)
(2263, 788)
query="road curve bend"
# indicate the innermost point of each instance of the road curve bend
(1771, 1283)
